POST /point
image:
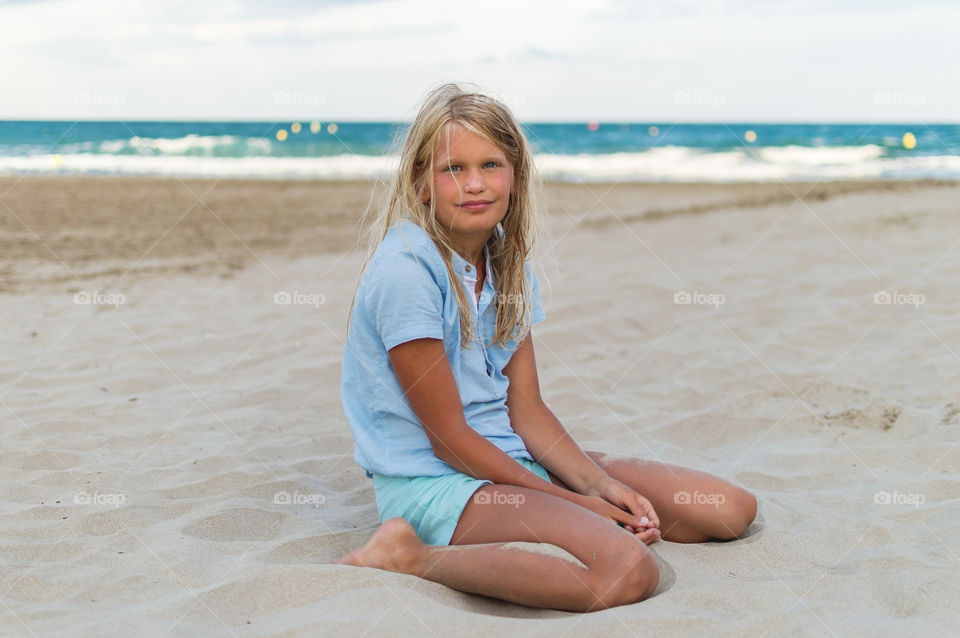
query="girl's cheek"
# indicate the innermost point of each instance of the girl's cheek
(502, 177)
(444, 180)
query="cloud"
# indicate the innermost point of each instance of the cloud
(226, 59)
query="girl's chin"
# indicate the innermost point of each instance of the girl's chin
(480, 227)
(473, 222)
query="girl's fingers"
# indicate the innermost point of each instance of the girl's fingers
(632, 509)
(635, 507)
(653, 514)
(648, 511)
(649, 536)
(646, 533)
(631, 523)
(624, 518)
(641, 508)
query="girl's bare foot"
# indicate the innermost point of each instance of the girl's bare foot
(394, 547)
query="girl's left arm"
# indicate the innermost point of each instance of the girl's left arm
(553, 447)
(543, 434)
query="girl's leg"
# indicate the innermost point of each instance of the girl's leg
(616, 568)
(693, 506)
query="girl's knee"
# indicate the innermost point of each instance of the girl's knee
(632, 575)
(644, 575)
(736, 513)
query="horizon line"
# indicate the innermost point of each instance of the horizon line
(600, 122)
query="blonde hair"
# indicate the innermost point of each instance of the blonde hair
(492, 120)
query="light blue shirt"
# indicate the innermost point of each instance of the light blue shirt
(405, 294)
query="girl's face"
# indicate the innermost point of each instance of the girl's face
(472, 180)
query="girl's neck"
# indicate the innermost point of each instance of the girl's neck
(472, 251)
(476, 259)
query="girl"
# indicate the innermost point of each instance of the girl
(441, 392)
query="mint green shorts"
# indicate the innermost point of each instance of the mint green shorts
(432, 504)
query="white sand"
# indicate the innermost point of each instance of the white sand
(177, 419)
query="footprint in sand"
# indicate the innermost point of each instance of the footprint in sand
(951, 412)
(874, 415)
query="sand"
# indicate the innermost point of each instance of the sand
(175, 459)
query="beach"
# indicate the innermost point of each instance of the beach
(176, 461)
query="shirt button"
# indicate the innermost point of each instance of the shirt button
(468, 268)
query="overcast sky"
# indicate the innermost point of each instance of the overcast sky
(609, 60)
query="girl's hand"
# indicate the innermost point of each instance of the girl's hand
(645, 527)
(647, 524)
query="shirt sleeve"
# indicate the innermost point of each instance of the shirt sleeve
(403, 299)
(536, 311)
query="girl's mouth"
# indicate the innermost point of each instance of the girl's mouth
(475, 205)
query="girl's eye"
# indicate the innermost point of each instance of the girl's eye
(454, 167)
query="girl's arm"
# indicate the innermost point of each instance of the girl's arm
(545, 437)
(553, 447)
(424, 374)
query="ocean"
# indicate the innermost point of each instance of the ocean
(583, 151)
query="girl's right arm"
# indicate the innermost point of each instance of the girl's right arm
(425, 376)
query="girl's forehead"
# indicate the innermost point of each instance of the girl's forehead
(456, 138)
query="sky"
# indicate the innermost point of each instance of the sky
(604, 60)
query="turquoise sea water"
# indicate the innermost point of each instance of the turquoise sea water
(579, 151)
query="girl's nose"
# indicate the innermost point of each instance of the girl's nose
(473, 181)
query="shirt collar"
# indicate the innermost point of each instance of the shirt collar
(460, 264)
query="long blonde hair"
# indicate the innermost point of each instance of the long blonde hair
(492, 120)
